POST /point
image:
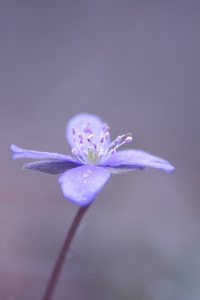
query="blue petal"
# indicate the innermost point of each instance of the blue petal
(81, 120)
(137, 159)
(51, 166)
(23, 153)
(80, 185)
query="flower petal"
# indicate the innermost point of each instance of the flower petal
(137, 159)
(78, 122)
(51, 166)
(23, 153)
(80, 185)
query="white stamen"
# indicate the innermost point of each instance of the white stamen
(73, 131)
(107, 128)
(113, 151)
(80, 135)
(111, 145)
(100, 154)
(118, 139)
(107, 135)
(74, 151)
(90, 137)
(87, 128)
(128, 139)
(90, 150)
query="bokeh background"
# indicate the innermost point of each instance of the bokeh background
(136, 65)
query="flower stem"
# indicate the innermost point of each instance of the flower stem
(60, 261)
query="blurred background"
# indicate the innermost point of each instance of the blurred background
(136, 65)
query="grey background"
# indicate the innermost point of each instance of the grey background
(136, 65)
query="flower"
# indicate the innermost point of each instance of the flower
(95, 159)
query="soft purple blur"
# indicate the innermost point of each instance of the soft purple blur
(136, 65)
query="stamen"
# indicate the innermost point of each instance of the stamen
(87, 128)
(128, 139)
(113, 151)
(105, 127)
(90, 137)
(80, 135)
(118, 139)
(74, 151)
(81, 146)
(73, 131)
(102, 140)
(100, 154)
(111, 145)
(107, 135)
(92, 151)
(85, 152)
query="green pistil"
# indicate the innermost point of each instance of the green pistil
(95, 157)
(92, 157)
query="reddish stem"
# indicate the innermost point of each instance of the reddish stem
(61, 258)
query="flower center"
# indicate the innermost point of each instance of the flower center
(94, 150)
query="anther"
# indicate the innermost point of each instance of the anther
(81, 146)
(107, 135)
(80, 135)
(85, 152)
(74, 151)
(128, 139)
(73, 131)
(118, 139)
(100, 154)
(113, 151)
(87, 128)
(90, 136)
(89, 139)
(102, 140)
(105, 125)
(107, 128)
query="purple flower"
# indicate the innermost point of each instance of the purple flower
(96, 158)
